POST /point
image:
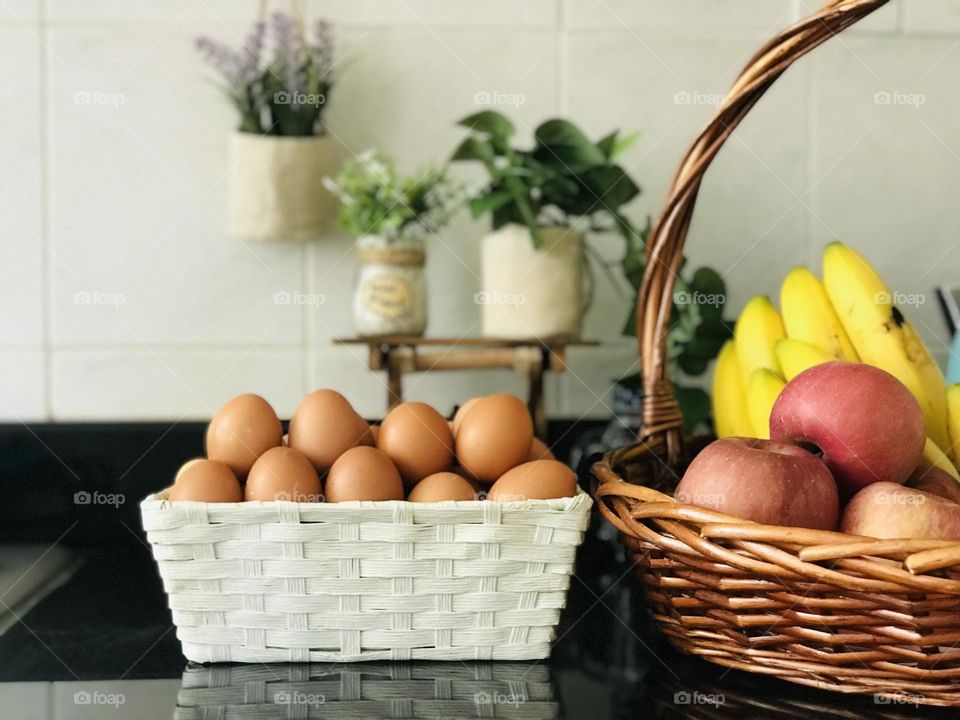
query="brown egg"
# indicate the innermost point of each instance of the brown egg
(187, 464)
(206, 481)
(535, 480)
(325, 426)
(241, 431)
(283, 473)
(442, 486)
(461, 413)
(374, 434)
(364, 473)
(285, 441)
(540, 451)
(494, 437)
(474, 483)
(417, 439)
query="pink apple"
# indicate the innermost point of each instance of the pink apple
(768, 482)
(864, 421)
(888, 510)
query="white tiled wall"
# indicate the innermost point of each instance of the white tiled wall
(124, 205)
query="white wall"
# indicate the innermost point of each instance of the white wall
(129, 200)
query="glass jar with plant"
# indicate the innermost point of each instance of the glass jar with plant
(392, 217)
(279, 81)
(542, 201)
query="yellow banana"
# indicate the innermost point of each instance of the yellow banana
(762, 391)
(795, 356)
(809, 316)
(953, 422)
(729, 402)
(881, 334)
(755, 334)
(933, 456)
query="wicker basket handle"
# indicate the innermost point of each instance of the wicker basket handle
(661, 414)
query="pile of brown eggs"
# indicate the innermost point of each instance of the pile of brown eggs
(331, 454)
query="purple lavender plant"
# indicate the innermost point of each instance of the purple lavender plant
(284, 94)
(289, 60)
(322, 48)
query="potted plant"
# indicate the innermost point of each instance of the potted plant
(280, 151)
(542, 201)
(391, 217)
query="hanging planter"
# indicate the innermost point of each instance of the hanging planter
(529, 291)
(276, 187)
(392, 218)
(280, 153)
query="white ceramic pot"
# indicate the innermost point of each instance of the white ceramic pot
(529, 292)
(391, 292)
(276, 186)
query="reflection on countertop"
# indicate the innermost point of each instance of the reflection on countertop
(682, 688)
(369, 690)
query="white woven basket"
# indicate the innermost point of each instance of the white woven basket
(316, 582)
(371, 690)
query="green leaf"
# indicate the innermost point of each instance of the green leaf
(506, 214)
(714, 327)
(695, 405)
(473, 148)
(623, 144)
(630, 326)
(561, 143)
(524, 208)
(697, 354)
(710, 290)
(613, 145)
(489, 202)
(608, 143)
(608, 187)
(490, 123)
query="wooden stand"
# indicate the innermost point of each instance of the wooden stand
(400, 354)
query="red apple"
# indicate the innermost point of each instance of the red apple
(864, 421)
(888, 510)
(768, 482)
(932, 479)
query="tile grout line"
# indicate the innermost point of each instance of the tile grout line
(561, 401)
(46, 252)
(307, 259)
(810, 161)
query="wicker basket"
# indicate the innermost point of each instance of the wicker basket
(824, 609)
(372, 690)
(314, 582)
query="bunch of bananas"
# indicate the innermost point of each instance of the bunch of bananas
(850, 315)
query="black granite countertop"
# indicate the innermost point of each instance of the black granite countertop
(108, 630)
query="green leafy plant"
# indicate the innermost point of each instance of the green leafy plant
(376, 200)
(564, 177)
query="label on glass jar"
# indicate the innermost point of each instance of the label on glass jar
(386, 295)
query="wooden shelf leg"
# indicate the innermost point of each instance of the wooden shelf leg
(535, 400)
(394, 379)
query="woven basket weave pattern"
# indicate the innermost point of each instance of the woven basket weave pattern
(826, 609)
(302, 582)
